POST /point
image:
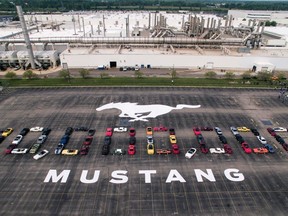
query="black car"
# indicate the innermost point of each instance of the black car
(107, 140)
(254, 131)
(46, 131)
(91, 132)
(81, 129)
(24, 131)
(239, 138)
(105, 149)
(132, 140)
(280, 139)
(200, 139)
(69, 131)
(171, 131)
(222, 139)
(1, 138)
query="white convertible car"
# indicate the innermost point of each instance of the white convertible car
(189, 154)
(36, 129)
(217, 150)
(19, 151)
(120, 129)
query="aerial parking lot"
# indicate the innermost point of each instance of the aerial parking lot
(162, 183)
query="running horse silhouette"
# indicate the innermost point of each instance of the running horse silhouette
(142, 112)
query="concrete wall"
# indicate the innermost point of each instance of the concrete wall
(166, 61)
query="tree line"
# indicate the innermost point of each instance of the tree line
(50, 6)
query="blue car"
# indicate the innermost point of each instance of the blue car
(64, 140)
(269, 148)
(59, 149)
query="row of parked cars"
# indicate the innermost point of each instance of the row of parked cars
(107, 141)
(61, 147)
(172, 139)
(202, 143)
(14, 148)
(267, 148)
(240, 139)
(87, 142)
(278, 138)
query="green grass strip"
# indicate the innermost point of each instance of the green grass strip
(128, 81)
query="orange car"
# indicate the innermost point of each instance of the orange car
(163, 151)
(149, 131)
(260, 150)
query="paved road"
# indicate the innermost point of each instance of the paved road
(176, 187)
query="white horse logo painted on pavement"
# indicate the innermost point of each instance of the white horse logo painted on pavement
(143, 112)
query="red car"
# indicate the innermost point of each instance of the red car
(175, 149)
(246, 148)
(109, 132)
(285, 146)
(160, 129)
(197, 131)
(84, 150)
(271, 131)
(131, 150)
(204, 149)
(206, 129)
(88, 140)
(227, 149)
(132, 132)
(9, 149)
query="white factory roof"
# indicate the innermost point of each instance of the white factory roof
(115, 23)
(282, 30)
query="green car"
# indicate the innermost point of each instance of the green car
(34, 148)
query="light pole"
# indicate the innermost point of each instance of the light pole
(26, 35)
(73, 20)
(83, 26)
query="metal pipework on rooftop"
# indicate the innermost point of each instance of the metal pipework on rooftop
(119, 40)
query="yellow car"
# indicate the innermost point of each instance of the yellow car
(243, 129)
(150, 149)
(173, 139)
(70, 152)
(149, 131)
(7, 132)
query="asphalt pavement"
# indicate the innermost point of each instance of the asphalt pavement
(142, 184)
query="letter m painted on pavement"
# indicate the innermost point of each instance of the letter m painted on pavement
(52, 175)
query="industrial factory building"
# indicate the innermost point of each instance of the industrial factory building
(237, 41)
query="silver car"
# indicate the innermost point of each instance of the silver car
(41, 154)
(218, 130)
(234, 130)
(41, 139)
(17, 139)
